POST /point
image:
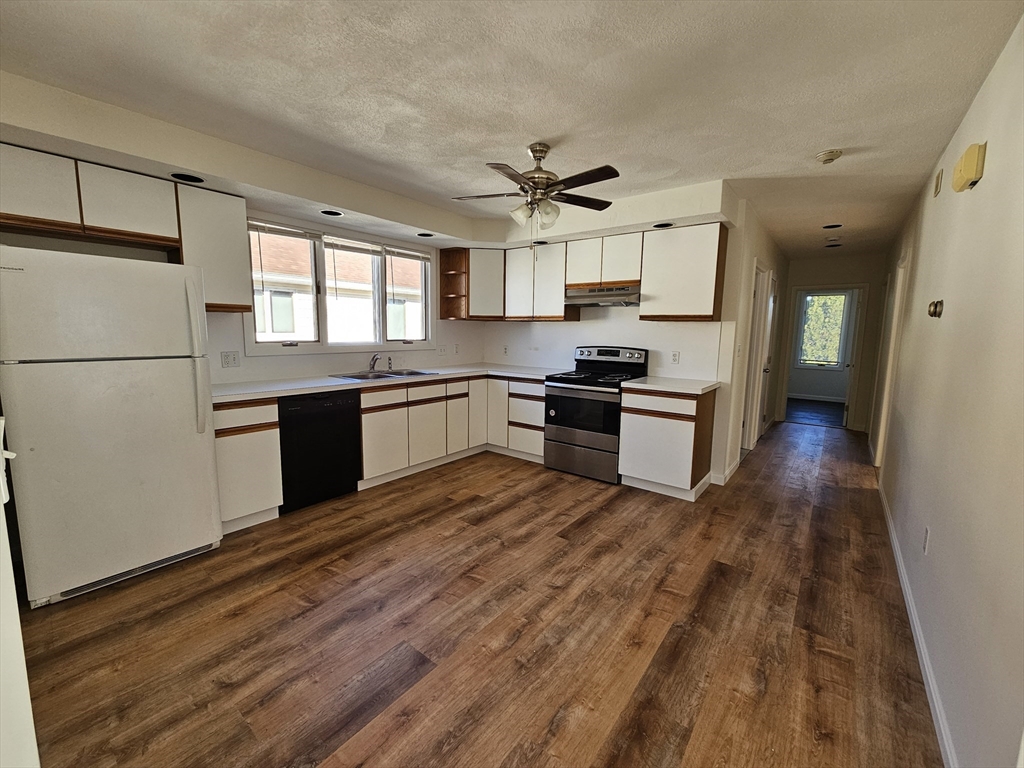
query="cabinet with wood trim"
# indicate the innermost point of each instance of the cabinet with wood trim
(665, 441)
(497, 412)
(583, 263)
(38, 189)
(519, 265)
(620, 259)
(427, 422)
(214, 237)
(526, 417)
(248, 449)
(683, 273)
(549, 283)
(486, 284)
(458, 415)
(115, 201)
(478, 407)
(385, 423)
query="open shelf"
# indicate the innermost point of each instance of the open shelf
(454, 266)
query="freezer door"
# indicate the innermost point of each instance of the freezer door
(113, 472)
(72, 306)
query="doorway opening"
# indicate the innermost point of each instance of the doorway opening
(818, 388)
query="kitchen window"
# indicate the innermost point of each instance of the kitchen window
(327, 293)
(823, 329)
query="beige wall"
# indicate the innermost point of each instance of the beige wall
(839, 272)
(954, 453)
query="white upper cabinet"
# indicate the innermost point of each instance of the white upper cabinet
(486, 283)
(214, 237)
(621, 260)
(519, 283)
(549, 282)
(38, 185)
(583, 262)
(128, 202)
(683, 273)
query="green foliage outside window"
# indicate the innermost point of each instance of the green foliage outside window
(823, 329)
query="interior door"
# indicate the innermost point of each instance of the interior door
(769, 337)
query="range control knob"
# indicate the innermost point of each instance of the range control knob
(629, 355)
(588, 353)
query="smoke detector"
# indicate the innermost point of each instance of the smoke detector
(828, 156)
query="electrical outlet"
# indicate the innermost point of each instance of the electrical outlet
(456, 349)
(675, 358)
(442, 351)
(229, 360)
(506, 350)
(927, 534)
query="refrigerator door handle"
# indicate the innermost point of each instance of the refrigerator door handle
(201, 367)
(198, 340)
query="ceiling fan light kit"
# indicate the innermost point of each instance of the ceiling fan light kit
(542, 189)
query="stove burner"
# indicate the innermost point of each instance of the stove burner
(617, 377)
(571, 375)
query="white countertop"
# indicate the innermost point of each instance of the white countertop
(666, 384)
(251, 390)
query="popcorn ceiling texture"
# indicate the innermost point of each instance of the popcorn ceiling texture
(413, 97)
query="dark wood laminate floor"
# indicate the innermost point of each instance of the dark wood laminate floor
(814, 412)
(494, 613)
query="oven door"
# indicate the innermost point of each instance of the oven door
(582, 417)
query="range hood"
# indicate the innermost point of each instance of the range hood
(619, 296)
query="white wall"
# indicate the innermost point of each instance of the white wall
(813, 384)
(955, 447)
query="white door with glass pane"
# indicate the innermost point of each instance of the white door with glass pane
(823, 345)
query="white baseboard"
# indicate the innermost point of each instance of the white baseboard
(247, 521)
(668, 490)
(930, 684)
(400, 473)
(515, 454)
(822, 398)
(718, 479)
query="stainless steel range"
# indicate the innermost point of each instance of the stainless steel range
(582, 411)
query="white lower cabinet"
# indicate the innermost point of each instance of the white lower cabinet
(497, 412)
(657, 449)
(526, 440)
(427, 431)
(385, 441)
(458, 424)
(525, 411)
(477, 412)
(248, 449)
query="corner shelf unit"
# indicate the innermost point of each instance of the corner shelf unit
(454, 267)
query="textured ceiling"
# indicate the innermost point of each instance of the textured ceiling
(414, 97)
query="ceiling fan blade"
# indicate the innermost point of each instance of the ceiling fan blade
(592, 176)
(583, 202)
(512, 174)
(484, 197)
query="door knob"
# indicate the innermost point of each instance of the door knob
(767, 370)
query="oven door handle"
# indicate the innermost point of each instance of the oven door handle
(582, 392)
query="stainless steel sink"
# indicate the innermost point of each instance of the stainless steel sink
(363, 375)
(409, 372)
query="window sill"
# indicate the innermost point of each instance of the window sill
(275, 349)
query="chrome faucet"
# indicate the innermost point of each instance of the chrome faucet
(373, 361)
(389, 363)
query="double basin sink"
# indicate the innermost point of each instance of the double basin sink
(371, 375)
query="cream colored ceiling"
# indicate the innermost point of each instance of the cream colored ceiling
(414, 97)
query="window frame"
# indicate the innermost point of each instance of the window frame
(324, 345)
(844, 331)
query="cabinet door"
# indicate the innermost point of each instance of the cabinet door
(519, 284)
(621, 260)
(683, 273)
(129, 202)
(214, 237)
(38, 185)
(477, 412)
(583, 263)
(549, 282)
(486, 283)
(385, 441)
(249, 473)
(458, 424)
(497, 412)
(427, 432)
(656, 448)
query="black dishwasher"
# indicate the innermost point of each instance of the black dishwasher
(321, 447)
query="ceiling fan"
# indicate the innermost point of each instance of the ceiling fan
(542, 189)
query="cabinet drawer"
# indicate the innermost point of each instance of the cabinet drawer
(526, 411)
(427, 391)
(526, 440)
(457, 387)
(249, 473)
(240, 417)
(129, 202)
(369, 398)
(38, 185)
(522, 388)
(679, 404)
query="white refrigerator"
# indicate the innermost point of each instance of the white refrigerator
(105, 386)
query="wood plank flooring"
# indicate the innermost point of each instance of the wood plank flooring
(494, 613)
(816, 412)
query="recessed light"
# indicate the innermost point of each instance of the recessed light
(329, 212)
(540, 242)
(188, 178)
(828, 156)
(663, 225)
(424, 234)
(834, 245)
(832, 226)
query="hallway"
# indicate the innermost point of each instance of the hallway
(491, 612)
